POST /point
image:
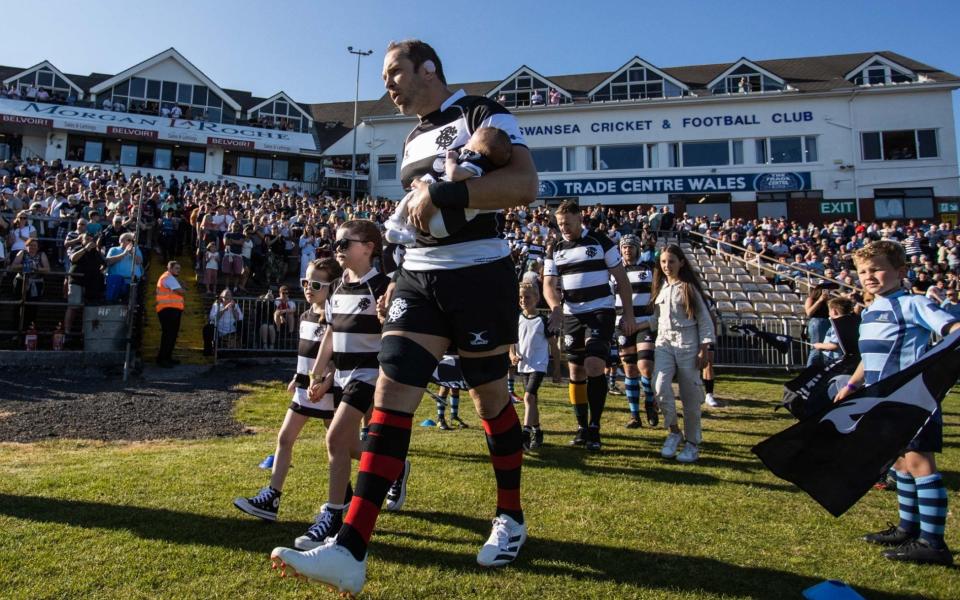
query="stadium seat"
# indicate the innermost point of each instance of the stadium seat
(710, 269)
(782, 308)
(741, 307)
(711, 277)
(756, 297)
(733, 286)
(744, 278)
(749, 287)
(719, 295)
(735, 296)
(724, 306)
(791, 298)
(739, 271)
(715, 285)
(763, 307)
(784, 288)
(766, 287)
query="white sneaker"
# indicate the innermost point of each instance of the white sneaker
(397, 494)
(711, 401)
(326, 525)
(330, 564)
(669, 449)
(689, 454)
(504, 542)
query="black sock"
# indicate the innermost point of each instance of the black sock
(348, 495)
(580, 411)
(708, 385)
(596, 398)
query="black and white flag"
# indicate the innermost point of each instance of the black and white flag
(814, 388)
(779, 341)
(448, 373)
(837, 455)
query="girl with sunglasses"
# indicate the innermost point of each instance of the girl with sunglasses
(318, 402)
(350, 345)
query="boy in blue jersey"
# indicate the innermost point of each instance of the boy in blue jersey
(894, 332)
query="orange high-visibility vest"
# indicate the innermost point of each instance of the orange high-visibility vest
(165, 296)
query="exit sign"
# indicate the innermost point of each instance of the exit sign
(843, 207)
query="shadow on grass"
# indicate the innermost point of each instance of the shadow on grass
(242, 532)
(540, 557)
(615, 564)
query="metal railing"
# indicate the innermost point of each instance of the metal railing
(742, 351)
(259, 332)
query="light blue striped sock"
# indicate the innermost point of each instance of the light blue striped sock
(632, 387)
(647, 389)
(907, 498)
(441, 406)
(932, 505)
(454, 403)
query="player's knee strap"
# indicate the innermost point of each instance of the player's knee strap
(645, 355)
(478, 371)
(598, 348)
(405, 361)
(629, 359)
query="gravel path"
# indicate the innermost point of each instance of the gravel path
(187, 402)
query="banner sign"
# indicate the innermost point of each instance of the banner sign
(683, 184)
(152, 127)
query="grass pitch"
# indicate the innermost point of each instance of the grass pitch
(88, 519)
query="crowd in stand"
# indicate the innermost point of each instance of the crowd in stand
(81, 221)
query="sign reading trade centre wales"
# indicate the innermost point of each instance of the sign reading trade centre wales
(681, 184)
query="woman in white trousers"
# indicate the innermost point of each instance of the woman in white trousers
(684, 333)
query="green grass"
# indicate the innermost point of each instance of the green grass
(155, 520)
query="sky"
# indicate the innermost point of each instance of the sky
(300, 46)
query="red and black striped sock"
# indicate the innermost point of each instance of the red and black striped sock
(505, 441)
(381, 463)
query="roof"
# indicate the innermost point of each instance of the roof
(811, 74)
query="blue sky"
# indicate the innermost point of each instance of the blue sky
(300, 46)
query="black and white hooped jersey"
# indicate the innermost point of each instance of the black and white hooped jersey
(391, 259)
(533, 346)
(641, 284)
(424, 152)
(583, 268)
(311, 334)
(352, 313)
(534, 251)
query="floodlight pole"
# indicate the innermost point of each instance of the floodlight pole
(356, 101)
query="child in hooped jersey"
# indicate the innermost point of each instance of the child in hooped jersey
(894, 331)
(316, 286)
(351, 344)
(684, 333)
(530, 355)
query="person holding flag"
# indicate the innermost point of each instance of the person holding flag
(895, 331)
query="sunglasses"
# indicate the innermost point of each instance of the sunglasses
(314, 285)
(342, 244)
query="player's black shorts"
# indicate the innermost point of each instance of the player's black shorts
(930, 438)
(475, 307)
(642, 337)
(323, 409)
(532, 382)
(589, 333)
(358, 394)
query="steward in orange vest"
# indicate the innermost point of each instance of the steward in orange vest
(170, 307)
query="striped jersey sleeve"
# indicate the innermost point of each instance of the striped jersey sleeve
(352, 312)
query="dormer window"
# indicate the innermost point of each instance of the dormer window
(638, 83)
(637, 80)
(526, 88)
(880, 73)
(745, 80)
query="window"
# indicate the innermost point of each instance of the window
(280, 169)
(706, 154)
(637, 83)
(785, 150)
(907, 144)
(880, 73)
(906, 203)
(311, 171)
(521, 89)
(591, 158)
(264, 168)
(547, 160)
(745, 80)
(245, 166)
(621, 157)
(674, 155)
(153, 89)
(281, 115)
(386, 168)
(162, 158)
(570, 159)
(738, 152)
(197, 161)
(653, 158)
(128, 155)
(92, 151)
(184, 93)
(169, 91)
(200, 95)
